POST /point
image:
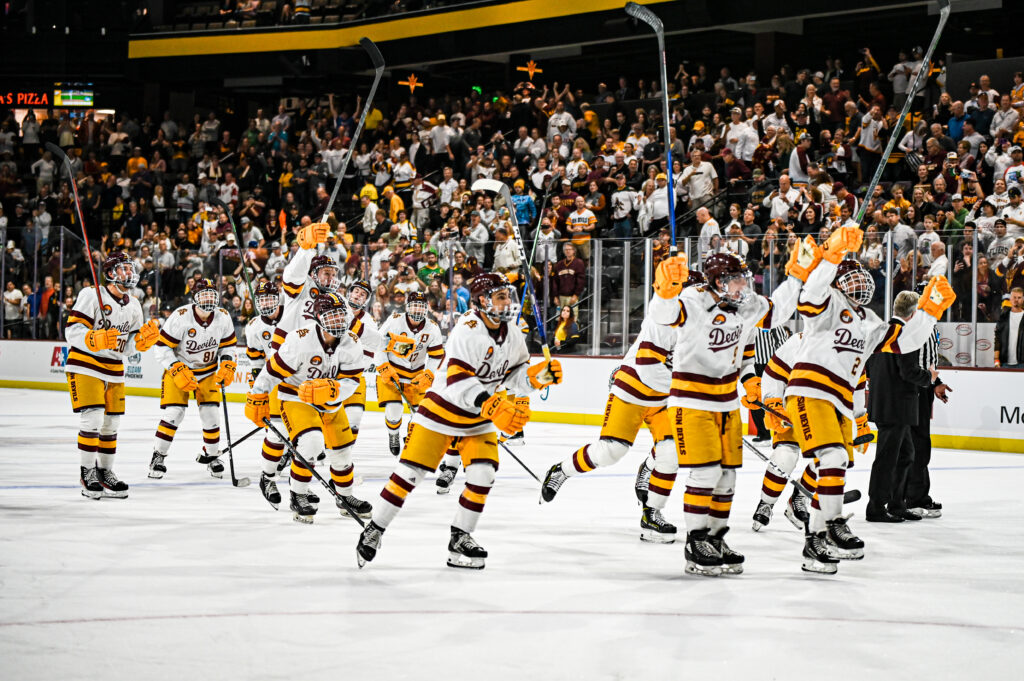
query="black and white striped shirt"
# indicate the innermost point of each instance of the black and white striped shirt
(928, 358)
(767, 342)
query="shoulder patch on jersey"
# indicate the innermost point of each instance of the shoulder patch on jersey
(192, 333)
(471, 323)
(182, 310)
(266, 335)
(221, 309)
(315, 360)
(302, 332)
(845, 317)
(353, 336)
(719, 319)
(396, 315)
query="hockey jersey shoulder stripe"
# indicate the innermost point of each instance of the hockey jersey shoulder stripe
(778, 369)
(813, 309)
(648, 353)
(766, 321)
(278, 368)
(278, 338)
(77, 317)
(229, 340)
(167, 340)
(292, 290)
(255, 353)
(889, 342)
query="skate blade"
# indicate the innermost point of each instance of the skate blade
(814, 566)
(272, 504)
(345, 513)
(757, 525)
(792, 518)
(155, 475)
(732, 569)
(361, 561)
(850, 554)
(109, 494)
(92, 495)
(655, 537)
(444, 490)
(702, 570)
(457, 560)
(304, 519)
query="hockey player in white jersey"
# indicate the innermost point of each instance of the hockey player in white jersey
(411, 374)
(196, 350)
(840, 334)
(463, 408)
(316, 367)
(98, 342)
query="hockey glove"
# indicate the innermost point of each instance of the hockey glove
(862, 429)
(670, 277)
(423, 380)
(225, 375)
(545, 373)
(387, 373)
(147, 335)
(183, 377)
(509, 417)
(311, 235)
(319, 391)
(937, 297)
(752, 386)
(773, 422)
(400, 345)
(844, 240)
(804, 258)
(104, 339)
(257, 407)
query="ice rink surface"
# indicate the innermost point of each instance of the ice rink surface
(190, 578)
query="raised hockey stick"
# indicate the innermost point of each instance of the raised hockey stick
(857, 441)
(59, 153)
(378, 67)
(641, 13)
(238, 244)
(896, 134)
(849, 496)
(237, 482)
(298, 457)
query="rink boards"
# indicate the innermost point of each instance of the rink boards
(985, 412)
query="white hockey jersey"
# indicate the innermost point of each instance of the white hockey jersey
(839, 339)
(199, 345)
(780, 366)
(477, 360)
(123, 313)
(299, 291)
(429, 350)
(305, 356)
(645, 375)
(365, 329)
(713, 344)
(259, 333)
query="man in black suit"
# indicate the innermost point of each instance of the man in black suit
(893, 406)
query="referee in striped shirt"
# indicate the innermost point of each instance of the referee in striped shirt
(766, 342)
(918, 483)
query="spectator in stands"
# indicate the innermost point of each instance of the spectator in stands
(1009, 339)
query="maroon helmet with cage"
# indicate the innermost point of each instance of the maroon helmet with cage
(205, 295)
(119, 268)
(729, 277)
(854, 281)
(331, 313)
(324, 273)
(359, 294)
(416, 306)
(268, 298)
(485, 286)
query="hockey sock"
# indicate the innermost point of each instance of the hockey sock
(479, 480)
(88, 444)
(784, 459)
(809, 480)
(272, 453)
(300, 477)
(209, 415)
(596, 455)
(828, 502)
(342, 470)
(452, 458)
(721, 500)
(166, 429)
(107, 449)
(663, 474)
(700, 486)
(401, 483)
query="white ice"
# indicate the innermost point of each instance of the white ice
(189, 578)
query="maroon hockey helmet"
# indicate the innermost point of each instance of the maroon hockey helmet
(729, 277)
(854, 281)
(331, 313)
(696, 278)
(119, 268)
(416, 306)
(268, 298)
(359, 294)
(205, 295)
(488, 284)
(324, 273)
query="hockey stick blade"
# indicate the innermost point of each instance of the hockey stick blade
(849, 496)
(645, 15)
(235, 481)
(371, 49)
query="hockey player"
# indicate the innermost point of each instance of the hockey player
(711, 353)
(638, 395)
(785, 450)
(196, 350)
(411, 374)
(482, 353)
(98, 342)
(840, 334)
(314, 370)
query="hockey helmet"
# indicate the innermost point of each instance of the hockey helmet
(331, 313)
(487, 286)
(359, 294)
(268, 298)
(729, 278)
(416, 306)
(205, 295)
(696, 278)
(119, 268)
(324, 273)
(854, 281)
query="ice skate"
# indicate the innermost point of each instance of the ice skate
(642, 482)
(464, 552)
(732, 561)
(369, 543)
(654, 528)
(701, 556)
(112, 487)
(302, 510)
(445, 476)
(157, 467)
(762, 516)
(269, 489)
(212, 463)
(91, 487)
(361, 508)
(553, 481)
(816, 555)
(394, 442)
(314, 499)
(796, 510)
(842, 543)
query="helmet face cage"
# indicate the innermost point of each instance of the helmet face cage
(735, 298)
(267, 303)
(511, 311)
(125, 274)
(416, 310)
(326, 278)
(857, 285)
(206, 299)
(333, 321)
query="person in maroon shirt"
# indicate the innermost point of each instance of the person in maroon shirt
(569, 277)
(833, 106)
